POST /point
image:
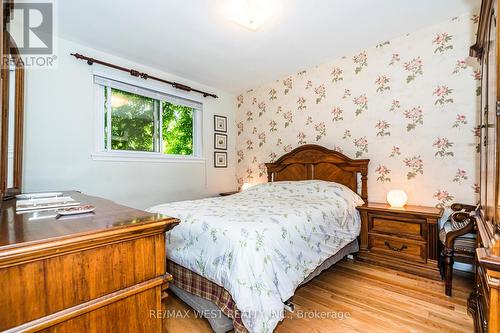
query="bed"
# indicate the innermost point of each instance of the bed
(244, 255)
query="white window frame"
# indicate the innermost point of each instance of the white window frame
(101, 153)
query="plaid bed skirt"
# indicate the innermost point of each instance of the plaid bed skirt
(202, 287)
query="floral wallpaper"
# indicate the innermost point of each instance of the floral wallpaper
(409, 104)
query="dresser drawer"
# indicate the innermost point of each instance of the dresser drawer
(483, 288)
(398, 247)
(399, 226)
(59, 282)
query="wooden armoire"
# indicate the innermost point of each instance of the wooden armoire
(484, 302)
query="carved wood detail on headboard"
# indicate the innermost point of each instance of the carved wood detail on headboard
(316, 162)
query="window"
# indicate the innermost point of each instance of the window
(138, 122)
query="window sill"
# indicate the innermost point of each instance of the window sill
(128, 156)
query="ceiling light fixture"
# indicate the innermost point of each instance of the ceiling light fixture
(251, 14)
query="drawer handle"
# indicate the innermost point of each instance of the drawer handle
(386, 243)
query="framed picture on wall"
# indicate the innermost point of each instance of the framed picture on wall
(220, 124)
(220, 141)
(220, 159)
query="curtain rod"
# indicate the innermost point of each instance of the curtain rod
(133, 72)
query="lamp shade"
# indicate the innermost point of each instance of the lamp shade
(397, 198)
(245, 186)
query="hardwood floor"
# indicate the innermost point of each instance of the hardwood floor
(372, 299)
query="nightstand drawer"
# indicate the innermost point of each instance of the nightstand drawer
(401, 227)
(398, 247)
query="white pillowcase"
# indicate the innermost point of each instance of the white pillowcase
(317, 189)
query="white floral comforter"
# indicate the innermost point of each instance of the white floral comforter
(262, 243)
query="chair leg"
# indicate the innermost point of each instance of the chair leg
(440, 265)
(448, 269)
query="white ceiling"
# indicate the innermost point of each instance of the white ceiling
(193, 38)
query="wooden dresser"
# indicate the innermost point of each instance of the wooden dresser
(401, 238)
(100, 272)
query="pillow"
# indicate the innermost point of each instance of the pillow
(312, 188)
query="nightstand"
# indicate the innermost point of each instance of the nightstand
(401, 238)
(225, 194)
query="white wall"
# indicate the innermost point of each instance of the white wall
(60, 136)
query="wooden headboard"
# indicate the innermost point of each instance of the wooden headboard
(317, 162)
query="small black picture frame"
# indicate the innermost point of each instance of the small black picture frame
(220, 159)
(220, 141)
(220, 124)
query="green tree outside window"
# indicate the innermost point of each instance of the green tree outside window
(135, 123)
(177, 129)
